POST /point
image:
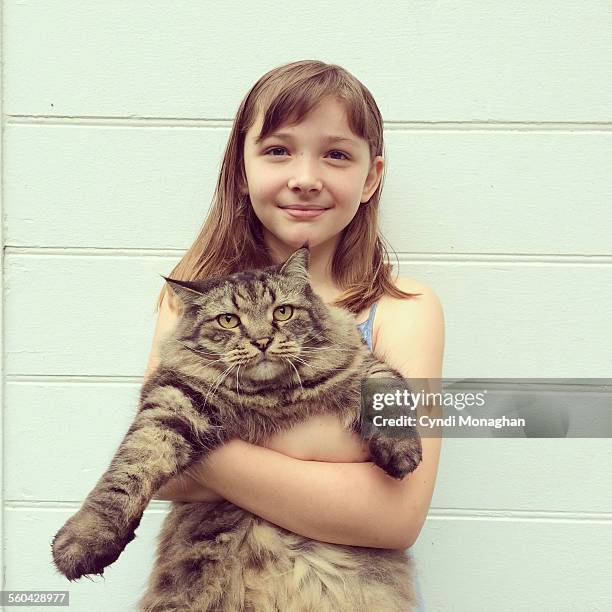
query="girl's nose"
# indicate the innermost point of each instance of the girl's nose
(305, 183)
(305, 179)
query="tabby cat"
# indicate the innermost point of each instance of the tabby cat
(296, 357)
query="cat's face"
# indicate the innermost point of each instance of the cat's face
(261, 325)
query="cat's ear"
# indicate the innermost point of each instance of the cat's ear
(296, 267)
(187, 291)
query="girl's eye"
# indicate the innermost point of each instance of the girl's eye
(228, 321)
(275, 149)
(282, 313)
(346, 157)
(341, 153)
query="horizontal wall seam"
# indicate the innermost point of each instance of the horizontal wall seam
(404, 257)
(70, 379)
(434, 513)
(552, 384)
(226, 123)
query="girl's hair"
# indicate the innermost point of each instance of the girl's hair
(231, 238)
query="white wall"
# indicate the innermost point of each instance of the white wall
(498, 193)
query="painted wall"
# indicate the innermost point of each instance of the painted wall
(497, 195)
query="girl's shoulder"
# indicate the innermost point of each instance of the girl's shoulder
(403, 328)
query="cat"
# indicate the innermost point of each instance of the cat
(296, 357)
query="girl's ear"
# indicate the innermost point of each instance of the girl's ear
(244, 187)
(373, 178)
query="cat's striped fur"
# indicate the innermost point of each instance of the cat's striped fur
(211, 386)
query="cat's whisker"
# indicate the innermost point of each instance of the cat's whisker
(325, 348)
(291, 356)
(216, 384)
(237, 385)
(220, 378)
(315, 335)
(215, 361)
(302, 361)
(225, 374)
(296, 372)
(335, 369)
(312, 349)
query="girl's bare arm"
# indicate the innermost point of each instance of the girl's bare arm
(344, 503)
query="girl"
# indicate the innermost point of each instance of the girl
(304, 164)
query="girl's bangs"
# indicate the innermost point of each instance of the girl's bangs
(290, 105)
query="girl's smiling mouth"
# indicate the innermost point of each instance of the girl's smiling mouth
(303, 212)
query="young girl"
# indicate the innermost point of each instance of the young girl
(304, 164)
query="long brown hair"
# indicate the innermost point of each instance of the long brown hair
(231, 237)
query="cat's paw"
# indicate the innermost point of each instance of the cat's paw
(396, 456)
(86, 544)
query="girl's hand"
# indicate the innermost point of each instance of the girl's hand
(320, 438)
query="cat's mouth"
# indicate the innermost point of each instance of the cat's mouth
(262, 367)
(261, 358)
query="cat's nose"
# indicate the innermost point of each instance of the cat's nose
(262, 343)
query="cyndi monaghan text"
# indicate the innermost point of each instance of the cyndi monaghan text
(450, 421)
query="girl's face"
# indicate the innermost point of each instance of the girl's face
(302, 166)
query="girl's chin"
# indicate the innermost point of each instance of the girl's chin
(294, 238)
(299, 236)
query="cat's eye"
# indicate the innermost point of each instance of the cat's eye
(282, 313)
(228, 321)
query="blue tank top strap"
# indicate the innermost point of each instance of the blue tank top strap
(366, 328)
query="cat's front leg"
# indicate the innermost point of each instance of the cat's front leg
(397, 456)
(397, 451)
(160, 444)
(88, 542)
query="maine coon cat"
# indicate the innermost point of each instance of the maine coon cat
(252, 354)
